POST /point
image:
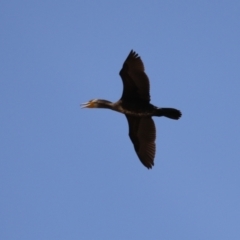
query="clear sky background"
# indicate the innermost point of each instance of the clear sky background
(68, 173)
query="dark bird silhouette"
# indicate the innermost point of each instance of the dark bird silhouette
(135, 104)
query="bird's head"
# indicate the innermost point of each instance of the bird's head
(97, 103)
(90, 104)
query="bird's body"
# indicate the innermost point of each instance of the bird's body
(135, 104)
(134, 108)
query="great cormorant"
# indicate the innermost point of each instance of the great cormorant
(135, 104)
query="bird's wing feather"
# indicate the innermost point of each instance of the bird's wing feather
(135, 81)
(142, 133)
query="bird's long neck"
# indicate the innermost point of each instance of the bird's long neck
(105, 104)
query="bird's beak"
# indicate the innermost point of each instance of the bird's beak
(86, 105)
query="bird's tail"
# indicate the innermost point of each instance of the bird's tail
(168, 112)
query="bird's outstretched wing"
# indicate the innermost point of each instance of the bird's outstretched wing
(142, 133)
(135, 81)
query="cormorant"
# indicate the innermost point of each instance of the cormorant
(135, 104)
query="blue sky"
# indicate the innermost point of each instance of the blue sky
(68, 173)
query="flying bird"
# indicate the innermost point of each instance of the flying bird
(135, 104)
